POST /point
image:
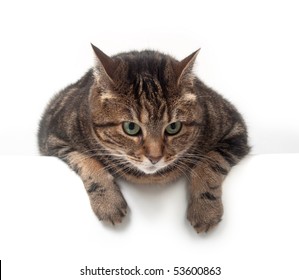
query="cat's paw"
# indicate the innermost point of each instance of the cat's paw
(204, 216)
(110, 207)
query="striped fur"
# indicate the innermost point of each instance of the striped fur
(83, 126)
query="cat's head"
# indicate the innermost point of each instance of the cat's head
(144, 108)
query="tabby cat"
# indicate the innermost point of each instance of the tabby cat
(146, 118)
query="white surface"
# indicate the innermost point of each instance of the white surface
(48, 230)
(249, 53)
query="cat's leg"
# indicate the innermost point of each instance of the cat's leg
(205, 204)
(105, 196)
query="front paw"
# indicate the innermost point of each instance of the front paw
(204, 215)
(109, 206)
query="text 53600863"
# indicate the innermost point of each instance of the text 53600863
(196, 270)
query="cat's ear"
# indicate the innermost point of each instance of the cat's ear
(184, 67)
(106, 65)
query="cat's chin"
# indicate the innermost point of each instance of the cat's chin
(150, 168)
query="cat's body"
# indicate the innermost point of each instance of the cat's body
(144, 117)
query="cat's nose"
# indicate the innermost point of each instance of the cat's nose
(154, 159)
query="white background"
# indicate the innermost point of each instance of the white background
(249, 53)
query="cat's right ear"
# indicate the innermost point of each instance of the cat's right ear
(106, 66)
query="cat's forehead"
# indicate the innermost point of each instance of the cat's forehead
(148, 85)
(153, 106)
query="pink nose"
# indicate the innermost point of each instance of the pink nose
(153, 159)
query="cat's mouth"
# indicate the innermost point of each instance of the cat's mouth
(149, 168)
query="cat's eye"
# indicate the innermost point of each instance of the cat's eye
(131, 128)
(173, 128)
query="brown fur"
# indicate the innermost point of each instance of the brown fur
(83, 125)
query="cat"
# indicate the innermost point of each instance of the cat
(146, 118)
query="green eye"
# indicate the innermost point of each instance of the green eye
(131, 128)
(173, 128)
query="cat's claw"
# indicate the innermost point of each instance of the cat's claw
(110, 210)
(204, 218)
(114, 216)
(206, 227)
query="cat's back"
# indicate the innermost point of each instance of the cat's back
(71, 93)
(62, 106)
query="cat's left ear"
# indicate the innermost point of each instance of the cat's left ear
(106, 66)
(184, 67)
